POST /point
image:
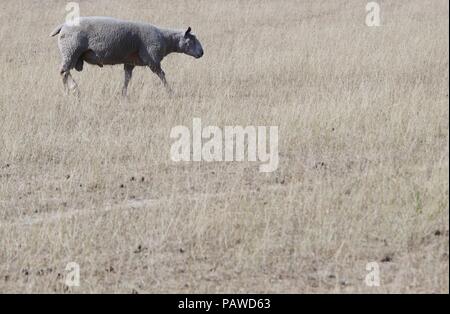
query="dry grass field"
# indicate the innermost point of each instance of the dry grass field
(363, 147)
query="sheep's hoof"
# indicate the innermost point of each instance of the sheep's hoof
(124, 100)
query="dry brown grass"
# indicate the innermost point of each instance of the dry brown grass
(363, 176)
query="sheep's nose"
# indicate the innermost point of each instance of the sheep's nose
(201, 54)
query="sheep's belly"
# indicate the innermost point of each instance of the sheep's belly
(101, 59)
(133, 58)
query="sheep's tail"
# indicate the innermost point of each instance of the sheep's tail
(56, 30)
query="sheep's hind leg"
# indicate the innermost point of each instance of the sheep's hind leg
(69, 83)
(67, 79)
(128, 74)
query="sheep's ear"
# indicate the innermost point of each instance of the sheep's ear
(188, 31)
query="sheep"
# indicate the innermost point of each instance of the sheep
(108, 41)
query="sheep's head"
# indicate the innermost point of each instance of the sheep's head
(190, 45)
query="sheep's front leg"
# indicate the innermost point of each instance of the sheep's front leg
(162, 76)
(128, 74)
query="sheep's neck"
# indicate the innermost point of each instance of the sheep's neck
(172, 42)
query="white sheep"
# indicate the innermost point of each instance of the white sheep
(108, 41)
